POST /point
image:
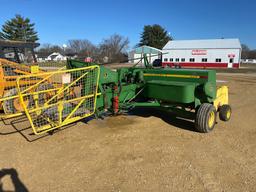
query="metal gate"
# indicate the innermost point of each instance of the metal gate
(58, 98)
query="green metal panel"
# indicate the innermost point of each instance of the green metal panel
(181, 92)
(107, 75)
(204, 84)
(127, 92)
(190, 75)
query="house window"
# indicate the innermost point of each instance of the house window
(165, 59)
(218, 60)
(177, 60)
(204, 59)
(171, 59)
(182, 59)
(192, 59)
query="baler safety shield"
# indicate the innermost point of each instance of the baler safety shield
(59, 97)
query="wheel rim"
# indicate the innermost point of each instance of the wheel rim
(211, 119)
(17, 104)
(228, 114)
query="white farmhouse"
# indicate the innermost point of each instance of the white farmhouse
(56, 57)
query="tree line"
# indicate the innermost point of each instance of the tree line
(248, 53)
(111, 49)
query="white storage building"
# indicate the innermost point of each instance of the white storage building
(153, 54)
(213, 53)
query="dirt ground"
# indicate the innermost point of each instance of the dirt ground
(145, 151)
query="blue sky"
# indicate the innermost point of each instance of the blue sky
(60, 20)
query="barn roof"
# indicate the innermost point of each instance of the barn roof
(147, 50)
(203, 44)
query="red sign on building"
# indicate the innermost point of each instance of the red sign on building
(199, 52)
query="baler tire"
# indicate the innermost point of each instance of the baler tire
(205, 118)
(225, 112)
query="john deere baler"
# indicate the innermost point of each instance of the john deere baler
(189, 93)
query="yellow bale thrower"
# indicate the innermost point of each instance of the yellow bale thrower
(58, 98)
(9, 72)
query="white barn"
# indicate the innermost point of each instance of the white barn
(213, 53)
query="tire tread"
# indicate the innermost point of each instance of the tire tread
(201, 121)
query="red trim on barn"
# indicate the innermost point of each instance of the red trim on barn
(236, 65)
(200, 65)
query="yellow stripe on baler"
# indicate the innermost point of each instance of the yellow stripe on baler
(171, 75)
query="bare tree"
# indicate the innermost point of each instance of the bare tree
(247, 53)
(114, 48)
(48, 49)
(82, 47)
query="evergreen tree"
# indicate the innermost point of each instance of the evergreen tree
(154, 36)
(20, 29)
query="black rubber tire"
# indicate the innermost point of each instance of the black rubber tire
(8, 105)
(202, 118)
(223, 112)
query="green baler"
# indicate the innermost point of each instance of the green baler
(189, 93)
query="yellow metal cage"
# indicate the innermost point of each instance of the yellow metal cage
(57, 98)
(9, 72)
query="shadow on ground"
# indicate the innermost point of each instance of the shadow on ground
(17, 183)
(167, 117)
(21, 126)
